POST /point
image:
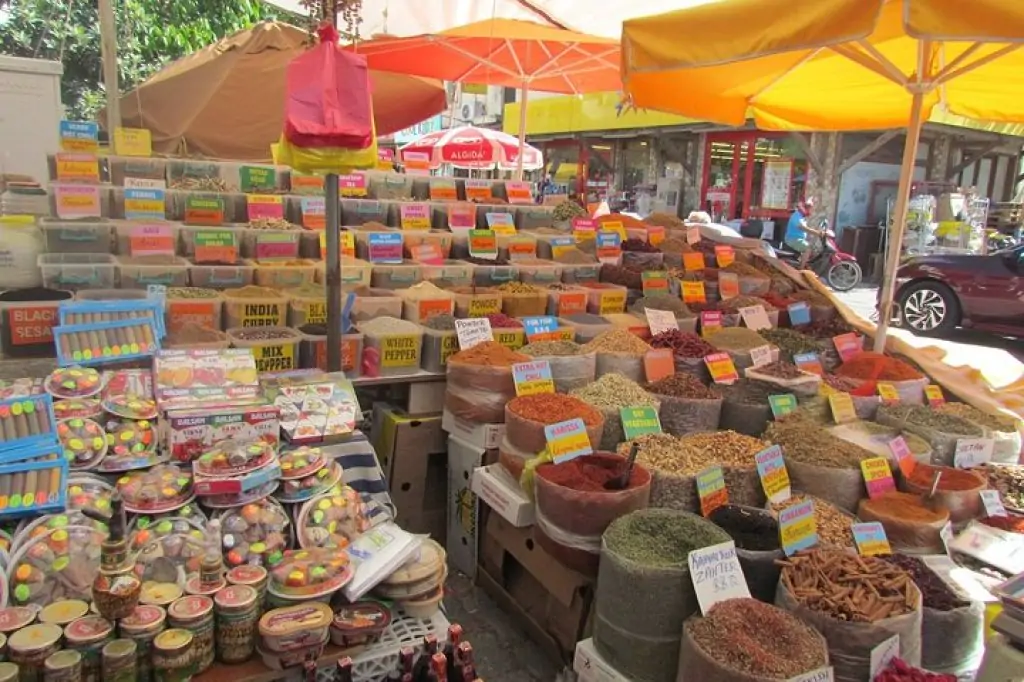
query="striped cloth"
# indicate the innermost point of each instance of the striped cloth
(363, 474)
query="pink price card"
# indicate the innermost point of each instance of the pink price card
(152, 240)
(415, 216)
(265, 206)
(584, 224)
(77, 201)
(353, 185)
(462, 215)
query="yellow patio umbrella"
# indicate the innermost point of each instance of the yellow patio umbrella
(833, 65)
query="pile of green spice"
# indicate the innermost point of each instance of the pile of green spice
(441, 323)
(920, 415)
(552, 348)
(805, 441)
(995, 422)
(790, 342)
(661, 537)
(736, 339)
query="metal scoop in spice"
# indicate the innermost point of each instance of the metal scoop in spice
(621, 481)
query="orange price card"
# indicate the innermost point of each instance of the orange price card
(693, 292)
(693, 261)
(658, 364)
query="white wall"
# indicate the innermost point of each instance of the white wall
(30, 114)
(855, 189)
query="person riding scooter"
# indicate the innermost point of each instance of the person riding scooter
(798, 232)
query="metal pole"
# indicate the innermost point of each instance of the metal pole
(108, 54)
(333, 227)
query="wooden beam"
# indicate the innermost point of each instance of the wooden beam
(868, 150)
(812, 156)
(974, 158)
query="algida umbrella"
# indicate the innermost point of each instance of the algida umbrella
(833, 65)
(507, 52)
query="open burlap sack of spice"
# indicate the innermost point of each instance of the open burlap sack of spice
(958, 490)
(942, 431)
(479, 382)
(527, 416)
(910, 525)
(628, 365)
(842, 486)
(850, 642)
(681, 416)
(745, 407)
(570, 372)
(661, 454)
(747, 635)
(1002, 429)
(952, 625)
(512, 459)
(756, 535)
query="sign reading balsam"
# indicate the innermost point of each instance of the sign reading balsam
(711, 489)
(79, 136)
(842, 407)
(782, 404)
(144, 204)
(722, 370)
(819, 675)
(483, 244)
(972, 452)
(414, 216)
(809, 362)
(798, 528)
(771, 468)
(385, 247)
(501, 223)
(661, 320)
(870, 538)
(755, 317)
(693, 292)
(533, 377)
(473, 331)
(877, 476)
(993, 503)
(567, 440)
(882, 655)
(799, 314)
(717, 575)
(639, 421)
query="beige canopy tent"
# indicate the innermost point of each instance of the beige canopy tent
(226, 101)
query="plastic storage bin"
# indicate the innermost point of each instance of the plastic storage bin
(131, 236)
(138, 272)
(198, 175)
(634, 324)
(276, 349)
(307, 305)
(362, 211)
(581, 273)
(396, 275)
(389, 186)
(422, 310)
(192, 305)
(494, 275)
(544, 240)
(371, 303)
(587, 325)
(222, 276)
(205, 208)
(145, 168)
(264, 244)
(285, 274)
(313, 350)
(117, 207)
(536, 271)
(354, 272)
(78, 270)
(104, 193)
(396, 354)
(442, 239)
(451, 273)
(526, 304)
(605, 298)
(255, 307)
(567, 300)
(72, 236)
(533, 217)
(438, 346)
(476, 301)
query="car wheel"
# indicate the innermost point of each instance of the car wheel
(929, 308)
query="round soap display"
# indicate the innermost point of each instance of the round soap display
(30, 529)
(301, 462)
(161, 489)
(295, 490)
(88, 491)
(190, 511)
(170, 558)
(73, 382)
(131, 406)
(131, 444)
(59, 564)
(231, 500)
(162, 528)
(230, 458)
(332, 520)
(80, 408)
(309, 573)
(83, 441)
(255, 533)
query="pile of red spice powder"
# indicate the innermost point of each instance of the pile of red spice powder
(589, 473)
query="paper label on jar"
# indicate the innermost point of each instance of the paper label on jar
(571, 303)
(771, 468)
(400, 350)
(462, 216)
(711, 489)
(877, 476)
(215, 246)
(473, 331)
(533, 377)
(717, 575)
(261, 314)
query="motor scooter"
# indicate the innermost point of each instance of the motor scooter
(839, 269)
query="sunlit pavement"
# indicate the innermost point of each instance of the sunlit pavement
(998, 358)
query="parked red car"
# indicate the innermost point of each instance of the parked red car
(936, 293)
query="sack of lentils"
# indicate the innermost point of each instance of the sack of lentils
(735, 452)
(745, 406)
(818, 463)
(644, 590)
(480, 382)
(957, 490)
(952, 625)
(756, 534)
(941, 430)
(1003, 429)
(527, 415)
(619, 352)
(911, 525)
(687, 405)
(856, 603)
(835, 527)
(571, 366)
(743, 640)
(609, 394)
(688, 351)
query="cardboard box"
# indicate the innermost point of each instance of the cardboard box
(426, 397)
(463, 504)
(590, 667)
(552, 602)
(502, 493)
(191, 432)
(428, 523)
(486, 436)
(406, 446)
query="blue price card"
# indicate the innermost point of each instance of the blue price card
(608, 240)
(79, 136)
(870, 538)
(539, 325)
(799, 313)
(798, 528)
(385, 247)
(563, 241)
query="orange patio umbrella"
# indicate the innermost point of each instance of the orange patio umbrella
(224, 101)
(506, 52)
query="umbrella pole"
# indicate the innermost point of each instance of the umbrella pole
(332, 216)
(524, 94)
(895, 239)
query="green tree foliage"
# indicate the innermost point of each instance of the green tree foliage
(151, 34)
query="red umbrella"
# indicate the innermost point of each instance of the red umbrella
(470, 147)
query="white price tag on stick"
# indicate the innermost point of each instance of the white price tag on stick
(755, 317)
(661, 320)
(972, 452)
(820, 675)
(717, 575)
(882, 654)
(473, 331)
(993, 503)
(761, 356)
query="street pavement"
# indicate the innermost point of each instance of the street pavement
(999, 359)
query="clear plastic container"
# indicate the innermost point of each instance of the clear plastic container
(451, 273)
(362, 237)
(361, 211)
(104, 192)
(285, 274)
(205, 311)
(512, 338)
(476, 301)
(605, 299)
(313, 351)
(72, 236)
(527, 304)
(396, 275)
(396, 354)
(255, 307)
(371, 303)
(442, 239)
(494, 275)
(568, 301)
(544, 242)
(196, 175)
(222, 276)
(517, 247)
(127, 232)
(276, 349)
(581, 273)
(421, 310)
(530, 218)
(270, 243)
(146, 168)
(543, 272)
(141, 271)
(187, 235)
(78, 270)
(307, 305)
(205, 208)
(438, 346)
(354, 272)
(389, 185)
